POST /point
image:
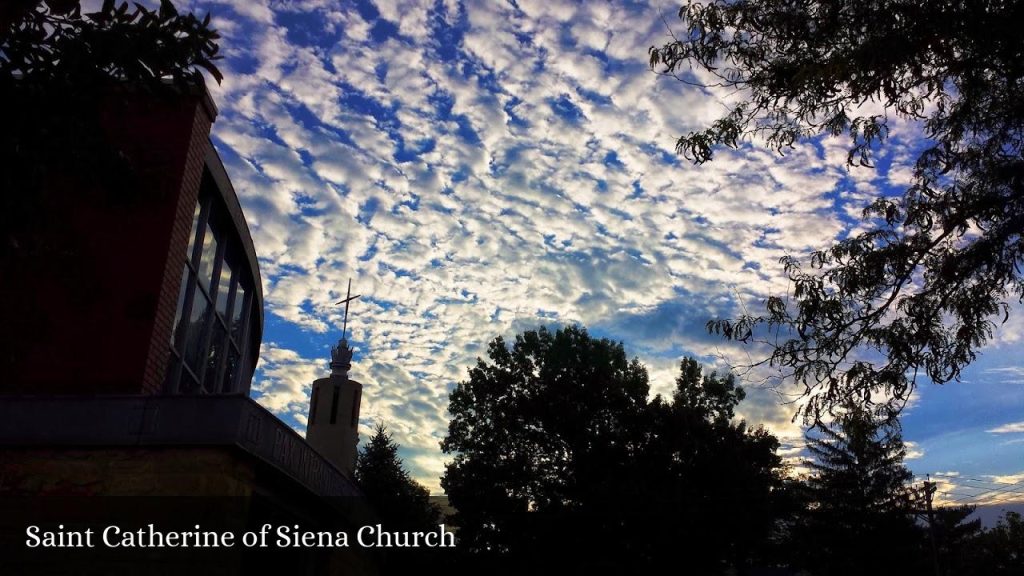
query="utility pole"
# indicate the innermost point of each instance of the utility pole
(929, 491)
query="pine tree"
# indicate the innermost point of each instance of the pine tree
(859, 515)
(956, 537)
(400, 502)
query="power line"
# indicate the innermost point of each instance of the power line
(996, 485)
(960, 483)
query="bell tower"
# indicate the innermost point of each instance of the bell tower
(333, 424)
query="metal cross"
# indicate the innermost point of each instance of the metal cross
(348, 298)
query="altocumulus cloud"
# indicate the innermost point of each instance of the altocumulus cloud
(478, 168)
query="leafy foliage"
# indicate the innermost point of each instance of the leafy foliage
(559, 454)
(710, 395)
(1000, 551)
(923, 286)
(955, 539)
(715, 486)
(546, 426)
(53, 43)
(69, 82)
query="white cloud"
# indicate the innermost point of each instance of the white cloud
(476, 195)
(914, 451)
(1012, 428)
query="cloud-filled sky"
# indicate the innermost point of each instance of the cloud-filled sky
(482, 168)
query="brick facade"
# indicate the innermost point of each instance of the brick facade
(91, 310)
(192, 176)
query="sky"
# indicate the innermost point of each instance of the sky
(478, 169)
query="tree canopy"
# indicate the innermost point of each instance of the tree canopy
(559, 453)
(53, 42)
(924, 285)
(546, 426)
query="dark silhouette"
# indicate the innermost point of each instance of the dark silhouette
(859, 517)
(401, 503)
(955, 538)
(714, 486)
(76, 88)
(999, 551)
(62, 74)
(399, 500)
(927, 281)
(562, 463)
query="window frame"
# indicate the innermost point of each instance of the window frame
(212, 219)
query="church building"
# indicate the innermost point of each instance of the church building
(127, 363)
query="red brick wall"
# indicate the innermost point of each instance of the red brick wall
(159, 353)
(94, 311)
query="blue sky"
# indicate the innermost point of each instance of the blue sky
(481, 168)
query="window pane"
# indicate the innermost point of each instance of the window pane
(172, 375)
(196, 329)
(355, 408)
(187, 384)
(229, 371)
(176, 327)
(216, 352)
(236, 314)
(192, 233)
(224, 290)
(208, 257)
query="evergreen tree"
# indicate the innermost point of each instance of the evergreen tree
(955, 538)
(400, 502)
(859, 517)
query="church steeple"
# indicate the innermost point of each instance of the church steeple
(332, 428)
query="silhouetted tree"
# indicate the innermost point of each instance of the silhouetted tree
(859, 518)
(955, 540)
(399, 500)
(562, 463)
(713, 485)
(543, 435)
(933, 270)
(401, 503)
(999, 551)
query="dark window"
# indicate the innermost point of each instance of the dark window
(334, 405)
(208, 258)
(192, 234)
(197, 322)
(210, 342)
(182, 291)
(355, 407)
(312, 407)
(224, 290)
